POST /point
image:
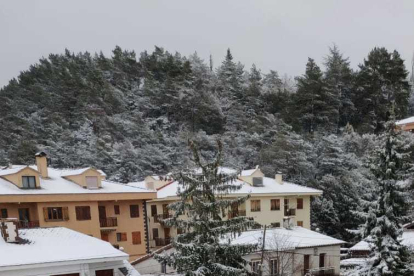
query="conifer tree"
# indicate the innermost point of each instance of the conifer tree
(205, 248)
(392, 168)
(339, 85)
(313, 104)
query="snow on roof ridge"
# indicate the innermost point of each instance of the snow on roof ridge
(45, 245)
(405, 121)
(14, 169)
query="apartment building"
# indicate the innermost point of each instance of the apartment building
(273, 202)
(406, 124)
(78, 199)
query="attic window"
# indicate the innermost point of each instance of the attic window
(29, 182)
(92, 182)
(257, 181)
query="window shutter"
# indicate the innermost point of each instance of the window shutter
(65, 211)
(45, 214)
(123, 236)
(136, 237)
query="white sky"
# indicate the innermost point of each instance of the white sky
(273, 34)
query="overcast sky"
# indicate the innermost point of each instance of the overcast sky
(277, 35)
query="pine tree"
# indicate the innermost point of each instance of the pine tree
(313, 105)
(339, 84)
(392, 167)
(381, 81)
(206, 249)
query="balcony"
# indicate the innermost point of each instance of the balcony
(108, 222)
(162, 241)
(290, 212)
(159, 218)
(238, 213)
(322, 271)
(28, 224)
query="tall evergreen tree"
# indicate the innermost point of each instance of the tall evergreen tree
(392, 167)
(206, 249)
(339, 85)
(381, 81)
(313, 105)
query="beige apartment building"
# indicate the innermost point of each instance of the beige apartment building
(273, 202)
(79, 199)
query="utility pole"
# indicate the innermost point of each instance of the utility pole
(263, 249)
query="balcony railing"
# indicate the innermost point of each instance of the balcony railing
(162, 241)
(159, 218)
(290, 212)
(28, 224)
(108, 222)
(322, 271)
(238, 213)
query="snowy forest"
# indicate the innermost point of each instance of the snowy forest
(132, 115)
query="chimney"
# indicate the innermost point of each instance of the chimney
(41, 163)
(279, 178)
(10, 166)
(9, 230)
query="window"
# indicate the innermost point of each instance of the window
(306, 263)
(273, 267)
(116, 210)
(257, 181)
(299, 204)
(134, 211)
(56, 213)
(153, 210)
(254, 265)
(300, 223)
(255, 205)
(155, 233)
(165, 209)
(83, 212)
(136, 237)
(275, 204)
(92, 182)
(275, 224)
(121, 237)
(106, 272)
(3, 213)
(29, 182)
(322, 260)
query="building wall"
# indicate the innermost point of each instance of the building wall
(264, 217)
(125, 224)
(294, 261)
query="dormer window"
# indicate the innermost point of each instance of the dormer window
(92, 182)
(257, 181)
(29, 182)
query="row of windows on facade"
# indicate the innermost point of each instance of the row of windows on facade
(29, 182)
(275, 264)
(105, 272)
(123, 237)
(62, 213)
(254, 206)
(275, 204)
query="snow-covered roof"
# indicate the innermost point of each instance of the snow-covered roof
(56, 244)
(407, 240)
(248, 172)
(270, 186)
(405, 121)
(287, 239)
(13, 170)
(56, 184)
(353, 262)
(140, 184)
(70, 172)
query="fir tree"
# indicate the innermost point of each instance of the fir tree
(392, 167)
(313, 105)
(206, 249)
